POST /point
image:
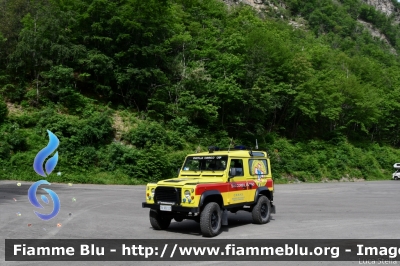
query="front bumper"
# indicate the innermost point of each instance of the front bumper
(174, 208)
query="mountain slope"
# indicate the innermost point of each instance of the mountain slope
(130, 87)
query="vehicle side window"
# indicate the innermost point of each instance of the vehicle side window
(258, 167)
(238, 165)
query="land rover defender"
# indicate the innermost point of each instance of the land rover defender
(209, 185)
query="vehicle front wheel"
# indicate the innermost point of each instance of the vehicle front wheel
(210, 220)
(262, 210)
(157, 221)
(396, 177)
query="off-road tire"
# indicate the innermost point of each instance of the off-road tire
(210, 220)
(262, 210)
(157, 221)
(396, 177)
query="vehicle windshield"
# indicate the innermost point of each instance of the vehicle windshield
(205, 163)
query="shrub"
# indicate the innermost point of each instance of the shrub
(153, 165)
(147, 134)
(184, 128)
(95, 130)
(3, 110)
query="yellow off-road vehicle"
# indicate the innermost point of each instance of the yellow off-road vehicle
(209, 185)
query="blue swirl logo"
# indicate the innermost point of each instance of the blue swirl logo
(44, 153)
(49, 166)
(32, 198)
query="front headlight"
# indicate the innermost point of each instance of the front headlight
(187, 194)
(152, 192)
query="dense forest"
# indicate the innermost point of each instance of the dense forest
(130, 86)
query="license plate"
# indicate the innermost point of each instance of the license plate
(165, 208)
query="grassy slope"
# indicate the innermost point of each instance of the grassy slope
(312, 161)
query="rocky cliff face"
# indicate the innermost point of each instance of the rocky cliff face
(377, 34)
(257, 3)
(385, 6)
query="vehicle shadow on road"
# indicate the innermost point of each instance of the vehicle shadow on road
(190, 227)
(238, 219)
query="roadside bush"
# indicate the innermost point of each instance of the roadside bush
(95, 130)
(62, 126)
(5, 149)
(175, 141)
(146, 165)
(17, 140)
(83, 157)
(183, 126)
(25, 120)
(175, 160)
(118, 157)
(153, 165)
(3, 110)
(12, 140)
(314, 160)
(147, 134)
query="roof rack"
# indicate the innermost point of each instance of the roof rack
(211, 149)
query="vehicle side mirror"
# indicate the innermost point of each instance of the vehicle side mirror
(179, 170)
(232, 172)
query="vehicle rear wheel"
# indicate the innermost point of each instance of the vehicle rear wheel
(262, 210)
(157, 221)
(210, 220)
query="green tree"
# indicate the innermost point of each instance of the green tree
(44, 41)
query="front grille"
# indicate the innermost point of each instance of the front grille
(168, 194)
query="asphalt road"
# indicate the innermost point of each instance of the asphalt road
(359, 210)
